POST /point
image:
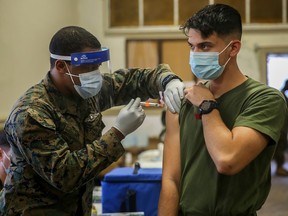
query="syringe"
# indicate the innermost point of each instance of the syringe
(150, 104)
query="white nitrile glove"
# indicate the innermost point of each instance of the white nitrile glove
(130, 117)
(173, 94)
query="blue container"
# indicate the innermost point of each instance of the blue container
(131, 190)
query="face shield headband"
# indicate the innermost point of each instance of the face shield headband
(82, 58)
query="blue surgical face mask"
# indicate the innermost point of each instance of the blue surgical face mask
(90, 83)
(205, 65)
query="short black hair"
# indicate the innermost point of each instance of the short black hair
(4, 142)
(71, 39)
(222, 19)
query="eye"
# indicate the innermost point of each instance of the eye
(204, 46)
(89, 67)
(191, 46)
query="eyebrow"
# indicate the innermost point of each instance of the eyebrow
(202, 43)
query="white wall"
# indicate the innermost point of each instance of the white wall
(26, 28)
(252, 44)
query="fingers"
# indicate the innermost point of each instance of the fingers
(169, 104)
(136, 103)
(181, 92)
(130, 104)
(177, 99)
(173, 99)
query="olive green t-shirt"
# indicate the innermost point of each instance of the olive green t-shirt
(206, 192)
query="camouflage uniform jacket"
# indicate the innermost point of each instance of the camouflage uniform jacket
(57, 144)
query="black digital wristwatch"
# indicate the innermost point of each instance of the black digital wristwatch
(207, 106)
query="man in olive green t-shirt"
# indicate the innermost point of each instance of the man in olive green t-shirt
(218, 150)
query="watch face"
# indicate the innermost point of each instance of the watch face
(205, 105)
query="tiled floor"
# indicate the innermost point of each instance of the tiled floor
(276, 204)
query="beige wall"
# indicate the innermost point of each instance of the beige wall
(25, 31)
(26, 28)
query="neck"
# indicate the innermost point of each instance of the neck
(230, 79)
(60, 81)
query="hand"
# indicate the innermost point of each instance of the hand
(130, 117)
(173, 94)
(197, 93)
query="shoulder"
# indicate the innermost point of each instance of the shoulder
(33, 105)
(259, 86)
(257, 91)
(263, 108)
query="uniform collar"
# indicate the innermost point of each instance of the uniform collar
(70, 105)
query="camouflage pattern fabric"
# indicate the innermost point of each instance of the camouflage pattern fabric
(57, 144)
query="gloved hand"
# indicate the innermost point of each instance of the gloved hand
(173, 94)
(130, 117)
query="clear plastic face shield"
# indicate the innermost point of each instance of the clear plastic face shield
(87, 71)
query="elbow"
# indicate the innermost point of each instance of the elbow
(227, 167)
(225, 170)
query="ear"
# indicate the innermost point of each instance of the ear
(236, 45)
(60, 65)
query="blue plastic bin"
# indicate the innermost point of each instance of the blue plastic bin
(123, 191)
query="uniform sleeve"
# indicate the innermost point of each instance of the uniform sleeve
(125, 84)
(34, 133)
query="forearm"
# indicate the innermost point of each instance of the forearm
(217, 136)
(231, 150)
(63, 163)
(169, 199)
(142, 82)
(219, 142)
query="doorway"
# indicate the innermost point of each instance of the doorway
(277, 69)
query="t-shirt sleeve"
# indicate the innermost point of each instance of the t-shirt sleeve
(265, 112)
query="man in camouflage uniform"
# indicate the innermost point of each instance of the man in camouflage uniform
(56, 136)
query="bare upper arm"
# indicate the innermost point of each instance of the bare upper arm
(246, 145)
(171, 156)
(249, 139)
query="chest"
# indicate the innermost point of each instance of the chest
(80, 128)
